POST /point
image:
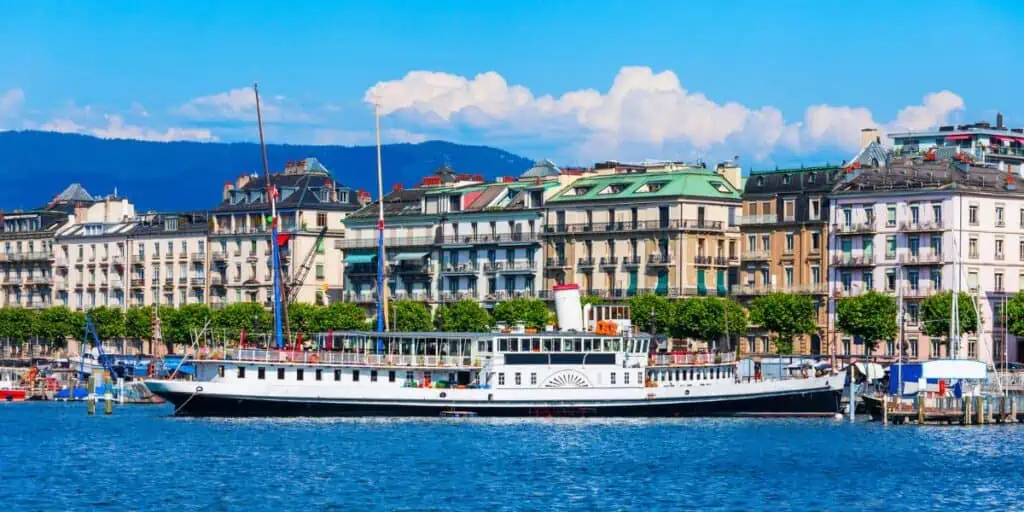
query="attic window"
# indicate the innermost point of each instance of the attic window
(760, 181)
(614, 188)
(171, 224)
(810, 178)
(786, 179)
(579, 191)
(651, 187)
(719, 186)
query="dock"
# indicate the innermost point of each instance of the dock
(1002, 403)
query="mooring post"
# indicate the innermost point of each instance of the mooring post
(108, 395)
(885, 409)
(920, 409)
(979, 400)
(90, 399)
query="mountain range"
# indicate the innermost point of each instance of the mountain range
(181, 176)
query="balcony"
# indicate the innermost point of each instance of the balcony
(417, 296)
(633, 226)
(586, 263)
(38, 279)
(500, 238)
(26, 256)
(609, 262)
(61, 262)
(922, 226)
(116, 284)
(757, 255)
(844, 260)
(390, 243)
(854, 229)
(198, 256)
(138, 282)
(117, 260)
(361, 269)
(631, 261)
(748, 290)
(703, 225)
(361, 297)
(408, 267)
(753, 220)
(182, 280)
(710, 260)
(169, 256)
(659, 260)
(218, 256)
(556, 263)
(459, 295)
(197, 282)
(61, 284)
(216, 280)
(918, 292)
(517, 267)
(469, 268)
(252, 258)
(921, 258)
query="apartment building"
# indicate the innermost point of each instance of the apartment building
(983, 141)
(90, 255)
(168, 260)
(454, 237)
(311, 204)
(667, 229)
(915, 226)
(785, 234)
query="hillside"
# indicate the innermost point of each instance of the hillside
(164, 176)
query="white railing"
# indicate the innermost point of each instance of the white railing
(745, 220)
(350, 358)
(690, 359)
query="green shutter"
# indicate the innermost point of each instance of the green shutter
(702, 288)
(662, 288)
(720, 284)
(632, 283)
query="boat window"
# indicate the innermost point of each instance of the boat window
(319, 374)
(391, 376)
(612, 378)
(409, 377)
(280, 374)
(501, 379)
(299, 374)
(241, 372)
(481, 346)
(490, 345)
(586, 345)
(536, 344)
(670, 372)
(519, 379)
(373, 375)
(337, 375)
(220, 371)
(697, 374)
(525, 344)
(533, 379)
(577, 345)
(355, 375)
(261, 373)
(503, 345)
(625, 378)
(547, 345)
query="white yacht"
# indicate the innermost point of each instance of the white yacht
(572, 372)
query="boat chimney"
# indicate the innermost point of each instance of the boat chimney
(567, 307)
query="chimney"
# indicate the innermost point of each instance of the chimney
(999, 120)
(228, 187)
(869, 135)
(242, 181)
(731, 172)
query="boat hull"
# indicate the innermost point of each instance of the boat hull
(13, 395)
(821, 402)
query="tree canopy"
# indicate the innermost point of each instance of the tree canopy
(410, 316)
(787, 315)
(342, 316)
(109, 322)
(252, 317)
(532, 312)
(463, 316)
(936, 312)
(871, 316)
(185, 322)
(707, 318)
(640, 308)
(138, 323)
(58, 323)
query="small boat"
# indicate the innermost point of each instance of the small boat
(11, 388)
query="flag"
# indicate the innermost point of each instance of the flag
(330, 340)
(298, 342)
(241, 339)
(282, 239)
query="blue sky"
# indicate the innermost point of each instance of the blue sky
(769, 81)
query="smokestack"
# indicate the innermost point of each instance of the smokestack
(999, 120)
(567, 307)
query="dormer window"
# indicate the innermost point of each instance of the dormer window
(614, 188)
(171, 224)
(760, 181)
(811, 177)
(579, 191)
(786, 179)
(719, 186)
(651, 187)
(455, 203)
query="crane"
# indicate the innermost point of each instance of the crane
(291, 288)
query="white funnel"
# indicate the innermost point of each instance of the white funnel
(567, 307)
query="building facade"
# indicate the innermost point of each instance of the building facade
(911, 229)
(90, 257)
(627, 230)
(785, 232)
(983, 141)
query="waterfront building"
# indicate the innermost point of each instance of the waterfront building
(454, 237)
(311, 205)
(663, 228)
(897, 227)
(785, 234)
(168, 261)
(984, 142)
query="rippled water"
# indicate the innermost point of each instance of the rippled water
(54, 457)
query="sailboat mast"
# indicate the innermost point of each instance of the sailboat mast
(275, 255)
(382, 298)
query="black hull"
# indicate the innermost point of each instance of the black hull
(813, 403)
(873, 406)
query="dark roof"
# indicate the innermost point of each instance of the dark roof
(783, 181)
(157, 224)
(916, 174)
(398, 202)
(297, 188)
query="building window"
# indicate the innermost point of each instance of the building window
(815, 274)
(890, 216)
(913, 347)
(915, 214)
(789, 242)
(752, 245)
(999, 281)
(815, 242)
(788, 271)
(815, 209)
(847, 217)
(789, 209)
(319, 271)
(936, 349)
(890, 280)
(766, 242)
(1000, 216)
(321, 219)
(972, 215)
(999, 249)
(972, 279)
(972, 248)
(890, 247)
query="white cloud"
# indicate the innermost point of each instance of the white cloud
(240, 105)
(11, 101)
(641, 111)
(364, 138)
(117, 128)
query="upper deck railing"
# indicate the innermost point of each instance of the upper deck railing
(690, 359)
(352, 358)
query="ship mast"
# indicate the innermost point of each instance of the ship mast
(382, 299)
(275, 255)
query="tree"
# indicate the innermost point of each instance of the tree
(138, 323)
(463, 316)
(1015, 315)
(17, 325)
(409, 316)
(787, 315)
(342, 316)
(871, 316)
(937, 310)
(56, 324)
(186, 321)
(109, 323)
(640, 308)
(304, 318)
(591, 299)
(532, 312)
(252, 317)
(708, 318)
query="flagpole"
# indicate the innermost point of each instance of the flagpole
(275, 255)
(382, 296)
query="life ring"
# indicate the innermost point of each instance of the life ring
(314, 359)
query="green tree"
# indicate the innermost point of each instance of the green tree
(787, 315)
(1015, 315)
(708, 318)
(871, 316)
(641, 306)
(252, 317)
(17, 325)
(463, 316)
(56, 324)
(532, 312)
(304, 318)
(591, 299)
(138, 323)
(409, 316)
(937, 310)
(342, 316)
(185, 322)
(109, 323)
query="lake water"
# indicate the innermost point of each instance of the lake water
(55, 457)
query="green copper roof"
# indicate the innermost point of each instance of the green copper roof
(642, 185)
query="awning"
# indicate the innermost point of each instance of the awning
(1007, 138)
(409, 256)
(359, 258)
(965, 136)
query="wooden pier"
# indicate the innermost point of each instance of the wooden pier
(977, 410)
